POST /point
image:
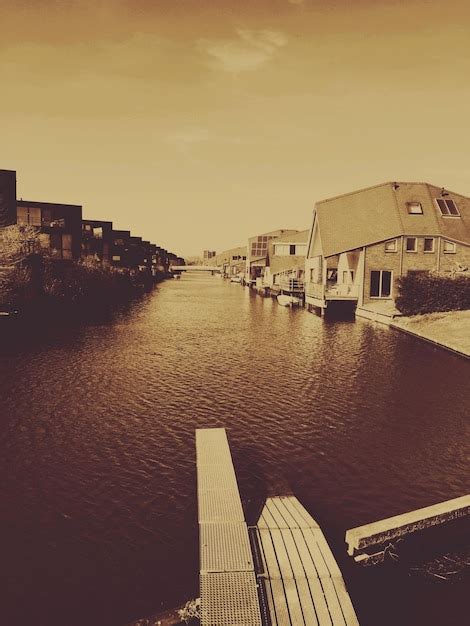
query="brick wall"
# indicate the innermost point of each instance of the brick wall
(401, 262)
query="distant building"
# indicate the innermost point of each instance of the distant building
(232, 262)
(362, 242)
(285, 261)
(257, 253)
(207, 255)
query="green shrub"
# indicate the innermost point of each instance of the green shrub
(421, 293)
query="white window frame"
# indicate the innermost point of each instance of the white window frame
(380, 296)
(451, 243)
(415, 249)
(395, 245)
(433, 245)
(414, 204)
(445, 200)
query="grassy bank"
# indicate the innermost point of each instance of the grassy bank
(450, 329)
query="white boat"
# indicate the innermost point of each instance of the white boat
(286, 300)
(235, 279)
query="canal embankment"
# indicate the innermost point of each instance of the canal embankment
(450, 329)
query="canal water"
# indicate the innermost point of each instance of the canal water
(98, 508)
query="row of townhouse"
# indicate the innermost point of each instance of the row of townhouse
(358, 246)
(68, 236)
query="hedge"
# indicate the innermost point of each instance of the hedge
(421, 293)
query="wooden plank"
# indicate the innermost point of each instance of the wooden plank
(269, 554)
(268, 518)
(281, 553)
(304, 513)
(345, 602)
(332, 602)
(262, 522)
(280, 603)
(276, 514)
(290, 588)
(318, 560)
(308, 608)
(300, 520)
(321, 607)
(280, 504)
(327, 553)
(291, 549)
(399, 525)
(293, 602)
(304, 553)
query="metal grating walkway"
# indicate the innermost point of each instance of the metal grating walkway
(303, 584)
(229, 592)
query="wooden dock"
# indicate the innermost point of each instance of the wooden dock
(378, 534)
(228, 586)
(301, 581)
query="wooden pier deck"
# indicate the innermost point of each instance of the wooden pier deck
(228, 586)
(387, 530)
(301, 579)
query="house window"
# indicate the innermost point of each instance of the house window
(281, 249)
(391, 246)
(28, 215)
(380, 284)
(61, 245)
(66, 246)
(292, 249)
(428, 244)
(98, 232)
(449, 247)
(414, 208)
(447, 207)
(411, 244)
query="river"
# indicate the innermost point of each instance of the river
(98, 508)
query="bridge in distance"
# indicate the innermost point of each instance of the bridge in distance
(194, 268)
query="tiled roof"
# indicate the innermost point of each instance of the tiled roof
(379, 213)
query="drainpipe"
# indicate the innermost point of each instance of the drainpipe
(439, 239)
(402, 240)
(363, 283)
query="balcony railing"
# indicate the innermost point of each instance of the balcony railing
(291, 284)
(332, 292)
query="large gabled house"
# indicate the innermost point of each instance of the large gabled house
(362, 242)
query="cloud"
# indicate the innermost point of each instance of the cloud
(184, 140)
(250, 50)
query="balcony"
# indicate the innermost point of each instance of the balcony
(338, 291)
(292, 285)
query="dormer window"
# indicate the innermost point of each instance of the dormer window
(414, 208)
(447, 207)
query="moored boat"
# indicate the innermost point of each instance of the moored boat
(287, 300)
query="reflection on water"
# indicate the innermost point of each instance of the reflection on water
(99, 518)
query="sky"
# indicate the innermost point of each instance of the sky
(200, 123)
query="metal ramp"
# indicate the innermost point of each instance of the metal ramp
(228, 587)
